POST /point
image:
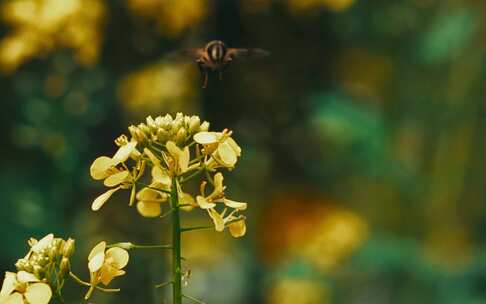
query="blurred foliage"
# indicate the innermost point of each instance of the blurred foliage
(363, 160)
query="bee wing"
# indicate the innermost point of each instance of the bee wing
(191, 54)
(251, 53)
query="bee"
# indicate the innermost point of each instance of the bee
(215, 56)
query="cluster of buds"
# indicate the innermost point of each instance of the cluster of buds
(165, 128)
(44, 253)
(40, 272)
(168, 151)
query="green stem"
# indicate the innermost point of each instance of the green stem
(77, 279)
(196, 160)
(166, 213)
(189, 177)
(152, 246)
(163, 284)
(186, 229)
(176, 246)
(210, 179)
(153, 188)
(129, 246)
(193, 299)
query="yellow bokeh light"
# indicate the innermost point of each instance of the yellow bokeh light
(41, 26)
(310, 226)
(163, 86)
(339, 234)
(298, 291)
(338, 5)
(173, 16)
(307, 6)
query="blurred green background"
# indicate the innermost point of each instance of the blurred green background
(363, 155)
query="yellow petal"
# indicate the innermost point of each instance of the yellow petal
(237, 229)
(101, 200)
(9, 284)
(109, 273)
(234, 204)
(124, 152)
(234, 146)
(217, 220)
(116, 179)
(209, 149)
(187, 200)
(226, 154)
(206, 138)
(203, 203)
(218, 183)
(100, 247)
(149, 209)
(117, 257)
(15, 298)
(160, 176)
(100, 167)
(43, 243)
(184, 158)
(96, 262)
(147, 194)
(173, 149)
(26, 277)
(151, 156)
(38, 293)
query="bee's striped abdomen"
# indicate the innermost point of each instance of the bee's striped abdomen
(216, 50)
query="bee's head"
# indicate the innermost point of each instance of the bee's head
(216, 50)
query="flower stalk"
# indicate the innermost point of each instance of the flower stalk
(176, 246)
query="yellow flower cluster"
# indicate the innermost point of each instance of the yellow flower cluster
(40, 26)
(40, 272)
(176, 149)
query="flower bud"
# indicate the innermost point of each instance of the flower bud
(69, 248)
(168, 118)
(151, 123)
(162, 135)
(58, 243)
(176, 125)
(40, 261)
(181, 136)
(166, 123)
(144, 128)
(123, 245)
(37, 270)
(204, 126)
(64, 266)
(51, 251)
(140, 136)
(187, 120)
(194, 124)
(21, 264)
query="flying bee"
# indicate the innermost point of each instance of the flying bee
(217, 57)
